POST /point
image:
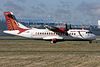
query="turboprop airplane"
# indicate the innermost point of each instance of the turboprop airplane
(54, 34)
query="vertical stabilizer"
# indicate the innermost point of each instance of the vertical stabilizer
(12, 23)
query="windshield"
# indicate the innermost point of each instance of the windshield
(89, 32)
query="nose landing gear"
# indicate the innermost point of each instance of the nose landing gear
(90, 41)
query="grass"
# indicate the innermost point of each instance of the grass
(35, 45)
(34, 53)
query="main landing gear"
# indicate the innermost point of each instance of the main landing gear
(53, 40)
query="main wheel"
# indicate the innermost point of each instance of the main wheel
(53, 41)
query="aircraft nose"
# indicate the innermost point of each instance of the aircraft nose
(93, 36)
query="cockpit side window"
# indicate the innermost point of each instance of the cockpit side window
(89, 32)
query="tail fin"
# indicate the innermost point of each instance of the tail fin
(12, 23)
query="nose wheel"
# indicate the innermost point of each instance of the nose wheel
(90, 41)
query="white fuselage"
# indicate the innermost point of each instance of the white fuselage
(73, 34)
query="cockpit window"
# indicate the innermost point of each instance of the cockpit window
(89, 32)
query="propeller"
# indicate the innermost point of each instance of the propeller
(56, 29)
(66, 29)
(70, 27)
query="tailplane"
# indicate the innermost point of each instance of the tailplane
(12, 23)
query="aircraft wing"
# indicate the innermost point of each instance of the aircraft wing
(56, 29)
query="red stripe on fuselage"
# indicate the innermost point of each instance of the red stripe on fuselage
(21, 30)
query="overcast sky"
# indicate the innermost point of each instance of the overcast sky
(71, 11)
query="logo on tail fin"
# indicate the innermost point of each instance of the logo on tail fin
(12, 23)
